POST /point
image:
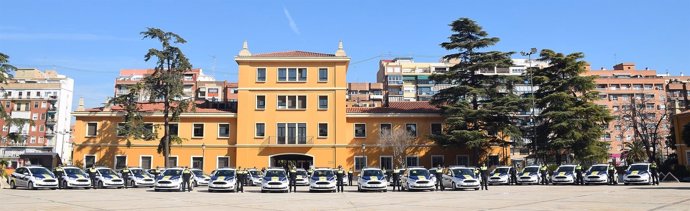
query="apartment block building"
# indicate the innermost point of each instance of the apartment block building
(365, 94)
(44, 98)
(407, 80)
(129, 77)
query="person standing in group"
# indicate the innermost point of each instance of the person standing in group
(611, 174)
(513, 175)
(340, 175)
(544, 174)
(293, 179)
(484, 171)
(186, 176)
(92, 176)
(241, 177)
(125, 176)
(578, 175)
(439, 178)
(350, 174)
(655, 173)
(59, 172)
(156, 171)
(396, 179)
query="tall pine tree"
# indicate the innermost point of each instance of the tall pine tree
(570, 121)
(479, 108)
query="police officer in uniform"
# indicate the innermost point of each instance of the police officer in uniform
(241, 177)
(350, 174)
(611, 174)
(340, 174)
(125, 176)
(155, 172)
(92, 176)
(544, 174)
(293, 179)
(485, 176)
(513, 176)
(59, 172)
(310, 171)
(578, 173)
(655, 173)
(439, 176)
(396, 179)
(186, 176)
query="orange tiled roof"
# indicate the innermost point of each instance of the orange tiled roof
(201, 107)
(293, 54)
(398, 107)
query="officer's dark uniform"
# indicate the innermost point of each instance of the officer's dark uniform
(439, 178)
(59, 172)
(349, 177)
(396, 179)
(186, 176)
(578, 171)
(340, 174)
(485, 177)
(655, 173)
(92, 176)
(544, 175)
(155, 172)
(241, 176)
(293, 180)
(513, 176)
(125, 176)
(611, 174)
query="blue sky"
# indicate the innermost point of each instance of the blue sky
(91, 41)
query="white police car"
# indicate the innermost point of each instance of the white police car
(255, 177)
(169, 179)
(529, 175)
(323, 179)
(638, 173)
(75, 178)
(275, 179)
(107, 178)
(598, 174)
(565, 174)
(460, 178)
(500, 175)
(199, 178)
(302, 177)
(33, 177)
(139, 177)
(223, 179)
(417, 178)
(372, 179)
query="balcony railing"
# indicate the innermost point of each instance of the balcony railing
(295, 141)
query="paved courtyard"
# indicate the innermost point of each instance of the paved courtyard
(669, 196)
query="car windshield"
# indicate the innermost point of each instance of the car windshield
(255, 173)
(225, 173)
(275, 173)
(106, 172)
(323, 173)
(639, 167)
(599, 168)
(40, 171)
(302, 172)
(502, 170)
(458, 172)
(565, 169)
(172, 172)
(419, 172)
(369, 173)
(198, 173)
(531, 170)
(74, 171)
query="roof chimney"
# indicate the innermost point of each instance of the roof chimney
(245, 50)
(340, 51)
(81, 104)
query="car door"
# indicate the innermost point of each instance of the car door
(447, 179)
(19, 177)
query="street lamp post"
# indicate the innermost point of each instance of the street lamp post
(203, 155)
(364, 147)
(531, 87)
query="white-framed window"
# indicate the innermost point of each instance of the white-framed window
(323, 74)
(436, 128)
(260, 130)
(385, 129)
(360, 130)
(437, 160)
(202, 92)
(41, 139)
(120, 161)
(260, 102)
(386, 162)
(33, 128)
(34, 116)
(173, 129)
(261, 74)
(323, 102)
(198, 130)
(91, 129)
(223, 130)
(145, 161)
(292, 102)
(323, 130)
(172, 160)
(412, 161)
(89, 160)
(360, 162)
(33, 139)
(222, 162)
(197, 162)
(291, 133)
(462, 160)
(292, 74)
(121, 131)
(41, 128)
(411, 129)
(44, 105)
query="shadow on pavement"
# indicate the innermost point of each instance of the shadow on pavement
(662, 188)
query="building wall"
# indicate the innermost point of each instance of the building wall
(682, 149)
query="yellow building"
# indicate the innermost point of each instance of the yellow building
(682, 150)
(291, 109)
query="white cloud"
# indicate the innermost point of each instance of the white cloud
(59, 36)
(292, 23)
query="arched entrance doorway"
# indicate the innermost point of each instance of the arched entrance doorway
(285, 160)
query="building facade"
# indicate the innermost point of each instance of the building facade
(291, 109)
(191, 80)
(44, 98)
(365, 94)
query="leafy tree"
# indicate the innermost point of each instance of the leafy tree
(570, 121)
(164, 85)
(398, 141)
(6, 70)
(634, 151)
(478, 107)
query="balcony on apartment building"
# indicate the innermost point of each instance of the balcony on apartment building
(416, 70)
(40, 97)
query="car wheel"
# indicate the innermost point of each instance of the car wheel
(454, 186)
(476, 189)
(627, 183)
(263, 191)
(31, 186)
(133, 184)
(210, 191)
(100, 185)
(359, 189)
(385, 190)
(64, 185)
(196, 184)
(156, 190)
(12, 185)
